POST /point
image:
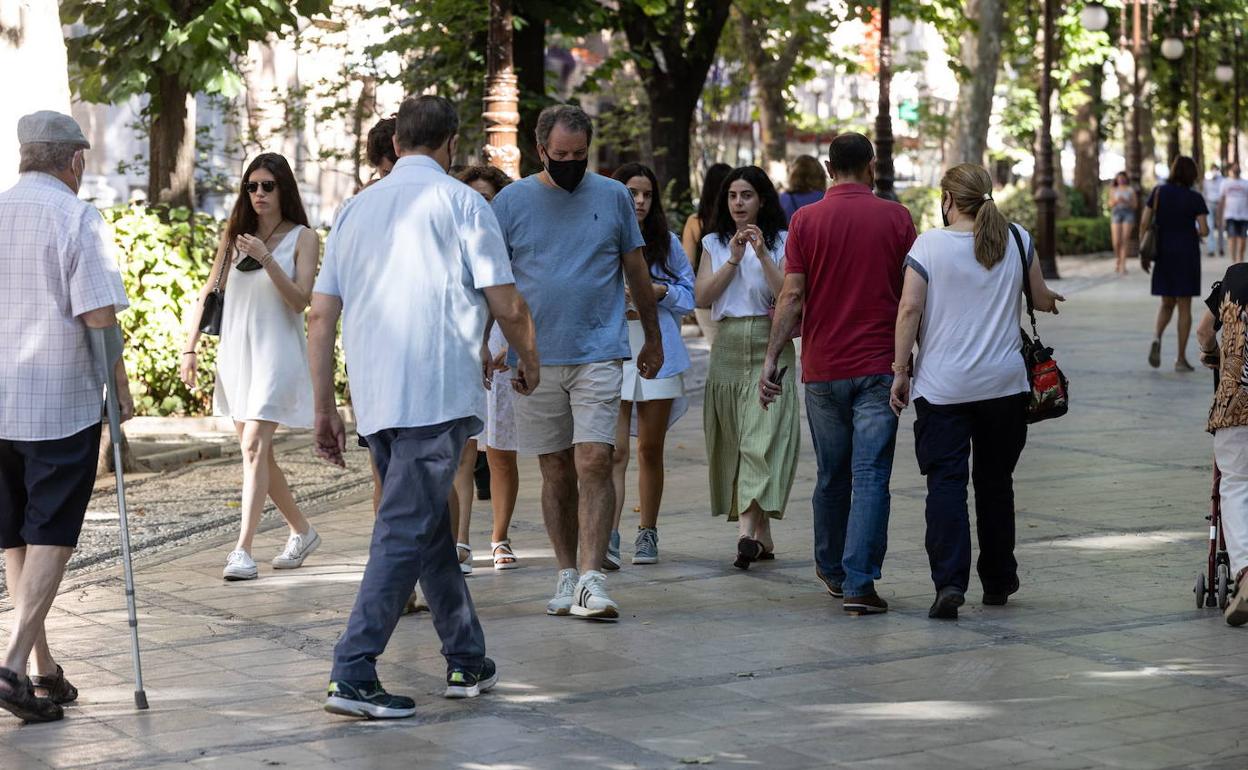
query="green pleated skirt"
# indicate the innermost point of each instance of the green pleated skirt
(751, 452)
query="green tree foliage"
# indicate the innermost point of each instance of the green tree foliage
(168, 50)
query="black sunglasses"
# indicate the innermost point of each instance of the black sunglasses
(251, 187)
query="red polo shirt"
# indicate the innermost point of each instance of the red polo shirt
(850, 246)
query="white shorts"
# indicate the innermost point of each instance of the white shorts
(638, 388)
(500, 414)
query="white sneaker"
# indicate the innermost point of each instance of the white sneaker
(298, 548)
(592, 600)
(239, 566)
(561, 604)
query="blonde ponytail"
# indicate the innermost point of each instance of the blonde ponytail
(971, 189)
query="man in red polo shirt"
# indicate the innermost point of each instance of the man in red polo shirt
(843, 265)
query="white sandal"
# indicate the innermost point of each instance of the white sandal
(506, 559)
(465, 566)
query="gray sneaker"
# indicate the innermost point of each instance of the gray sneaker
(561, 603)
(646, 546)
(612, 560)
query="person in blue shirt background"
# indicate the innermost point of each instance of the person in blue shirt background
(573, 239)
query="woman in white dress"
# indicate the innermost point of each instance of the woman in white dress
(659, 401)
(269, 255)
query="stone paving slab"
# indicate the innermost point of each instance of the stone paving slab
(1102, 660)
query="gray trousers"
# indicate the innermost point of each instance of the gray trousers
(412, 541)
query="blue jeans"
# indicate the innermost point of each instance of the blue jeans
(854, 432)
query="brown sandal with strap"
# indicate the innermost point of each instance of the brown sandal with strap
(56, 686)
(21, 700)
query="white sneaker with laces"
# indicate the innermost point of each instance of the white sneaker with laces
(298, 548)
(239, 566)
(592, 600)
(561, 604)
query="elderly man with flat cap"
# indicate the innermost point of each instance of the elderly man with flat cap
(57, 278)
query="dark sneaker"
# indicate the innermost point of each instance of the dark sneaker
(948, 600)
(367, 699)
(21, 700)
(461, 683)
(1154, 354)
(867, 604)
(612, 560)
(1237, 608)
(834, 588)
(56, 687)
(999, 598)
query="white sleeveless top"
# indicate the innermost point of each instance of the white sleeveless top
(262, 357)
(748, 294)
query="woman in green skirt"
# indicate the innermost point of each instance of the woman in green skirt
(751, 451)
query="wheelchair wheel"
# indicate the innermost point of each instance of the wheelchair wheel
(1223, 585)
(1200, 591)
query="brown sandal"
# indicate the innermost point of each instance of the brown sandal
(20, 699)
(56, 686)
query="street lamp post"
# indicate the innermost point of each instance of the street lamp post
(502, 94)
(1046, 196)
(884, 172)
(1236, 66)
(1197, 148)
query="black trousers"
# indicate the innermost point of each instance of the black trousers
(946, 436)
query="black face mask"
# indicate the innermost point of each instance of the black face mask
(566, 173)
(944, 213)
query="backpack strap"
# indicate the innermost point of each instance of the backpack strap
(1022, 255)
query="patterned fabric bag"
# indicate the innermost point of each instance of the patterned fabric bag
(1050, 391)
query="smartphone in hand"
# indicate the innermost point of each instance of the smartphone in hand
(779, 377)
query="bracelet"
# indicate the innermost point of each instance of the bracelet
(189, 353)
(734, 264)
(901, 368)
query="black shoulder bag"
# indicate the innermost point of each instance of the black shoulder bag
(214, 305)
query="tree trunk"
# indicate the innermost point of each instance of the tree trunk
(1086, 138)
(671, 132)
(171, 174)
(981, 55)
(773, 121)
(529, 58)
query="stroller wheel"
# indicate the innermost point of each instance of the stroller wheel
(1223, 585)
(1200, 591)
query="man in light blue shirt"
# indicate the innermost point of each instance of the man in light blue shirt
(569, 234)
(415, 264)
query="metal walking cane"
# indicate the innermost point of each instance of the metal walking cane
(106, 350)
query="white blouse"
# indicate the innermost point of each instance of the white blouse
(748, 294)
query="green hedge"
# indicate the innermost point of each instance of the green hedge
(924, 206)
(1083, 235)
(165, 259)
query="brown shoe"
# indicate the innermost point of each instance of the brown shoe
(867, 604)
(55, 687)
(20, 699)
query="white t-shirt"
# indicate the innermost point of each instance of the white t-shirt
(1235, 194)
(969, 344)
(409, 257)
(748, 294)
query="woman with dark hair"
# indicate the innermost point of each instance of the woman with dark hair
(1182, 221)
(380, 148)
(697, 225)
(500, 429)
(807, 184)
(266, 263)
(1122, 218)
(751, 451)
(660, 401)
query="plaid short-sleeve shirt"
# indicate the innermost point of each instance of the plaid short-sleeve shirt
(56, 263)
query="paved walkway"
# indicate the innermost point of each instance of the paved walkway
(1102, 660)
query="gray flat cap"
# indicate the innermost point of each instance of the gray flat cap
(50, 126)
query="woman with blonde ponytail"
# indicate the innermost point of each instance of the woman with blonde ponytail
(963, 287)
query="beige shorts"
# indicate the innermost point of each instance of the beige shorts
(572, 405)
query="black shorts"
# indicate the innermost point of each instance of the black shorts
(45, 487)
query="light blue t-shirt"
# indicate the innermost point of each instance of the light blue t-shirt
(565, 253)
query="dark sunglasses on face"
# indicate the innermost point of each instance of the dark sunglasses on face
(251, 187)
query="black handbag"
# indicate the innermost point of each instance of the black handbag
(1050, 390)
(214, 307)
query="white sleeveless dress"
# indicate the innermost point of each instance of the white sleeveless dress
(262, 356)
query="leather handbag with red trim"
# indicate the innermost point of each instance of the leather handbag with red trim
(1050, 390)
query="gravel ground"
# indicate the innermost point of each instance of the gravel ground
(201, 501)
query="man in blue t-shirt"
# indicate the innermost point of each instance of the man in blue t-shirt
(569, 234)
